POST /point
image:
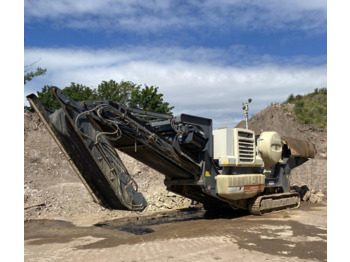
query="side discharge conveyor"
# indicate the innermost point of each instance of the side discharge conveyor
(221, 168)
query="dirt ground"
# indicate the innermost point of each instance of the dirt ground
(185, 235)
(56, 201)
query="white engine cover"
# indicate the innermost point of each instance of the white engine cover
(269, 147)
(235, 147)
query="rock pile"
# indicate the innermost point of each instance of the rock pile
(310, 195)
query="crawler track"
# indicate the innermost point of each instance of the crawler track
(273, 203)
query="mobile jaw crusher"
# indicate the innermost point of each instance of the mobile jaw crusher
(228, 167)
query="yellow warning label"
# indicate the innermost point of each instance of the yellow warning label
(207, 173)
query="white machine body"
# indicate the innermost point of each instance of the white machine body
(237, 147)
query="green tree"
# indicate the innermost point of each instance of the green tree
(112, 90)
(125, 92)
(47, 98)
(132, 95)
(30, 75)
(75, 91)
(149, 99)
(290, 98)
(80, 92)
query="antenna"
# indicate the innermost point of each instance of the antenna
(246, 108)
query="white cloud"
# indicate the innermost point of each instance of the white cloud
(148, 16)
(199, 87)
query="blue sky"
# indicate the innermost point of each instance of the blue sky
(206, 57)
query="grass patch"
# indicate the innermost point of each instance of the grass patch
(310, 108)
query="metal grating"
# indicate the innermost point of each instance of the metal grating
(246, 147)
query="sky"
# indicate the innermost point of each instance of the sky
(206, 57)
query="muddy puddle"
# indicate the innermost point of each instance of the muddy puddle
(275, 234)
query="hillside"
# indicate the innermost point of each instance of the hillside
(311, 108)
